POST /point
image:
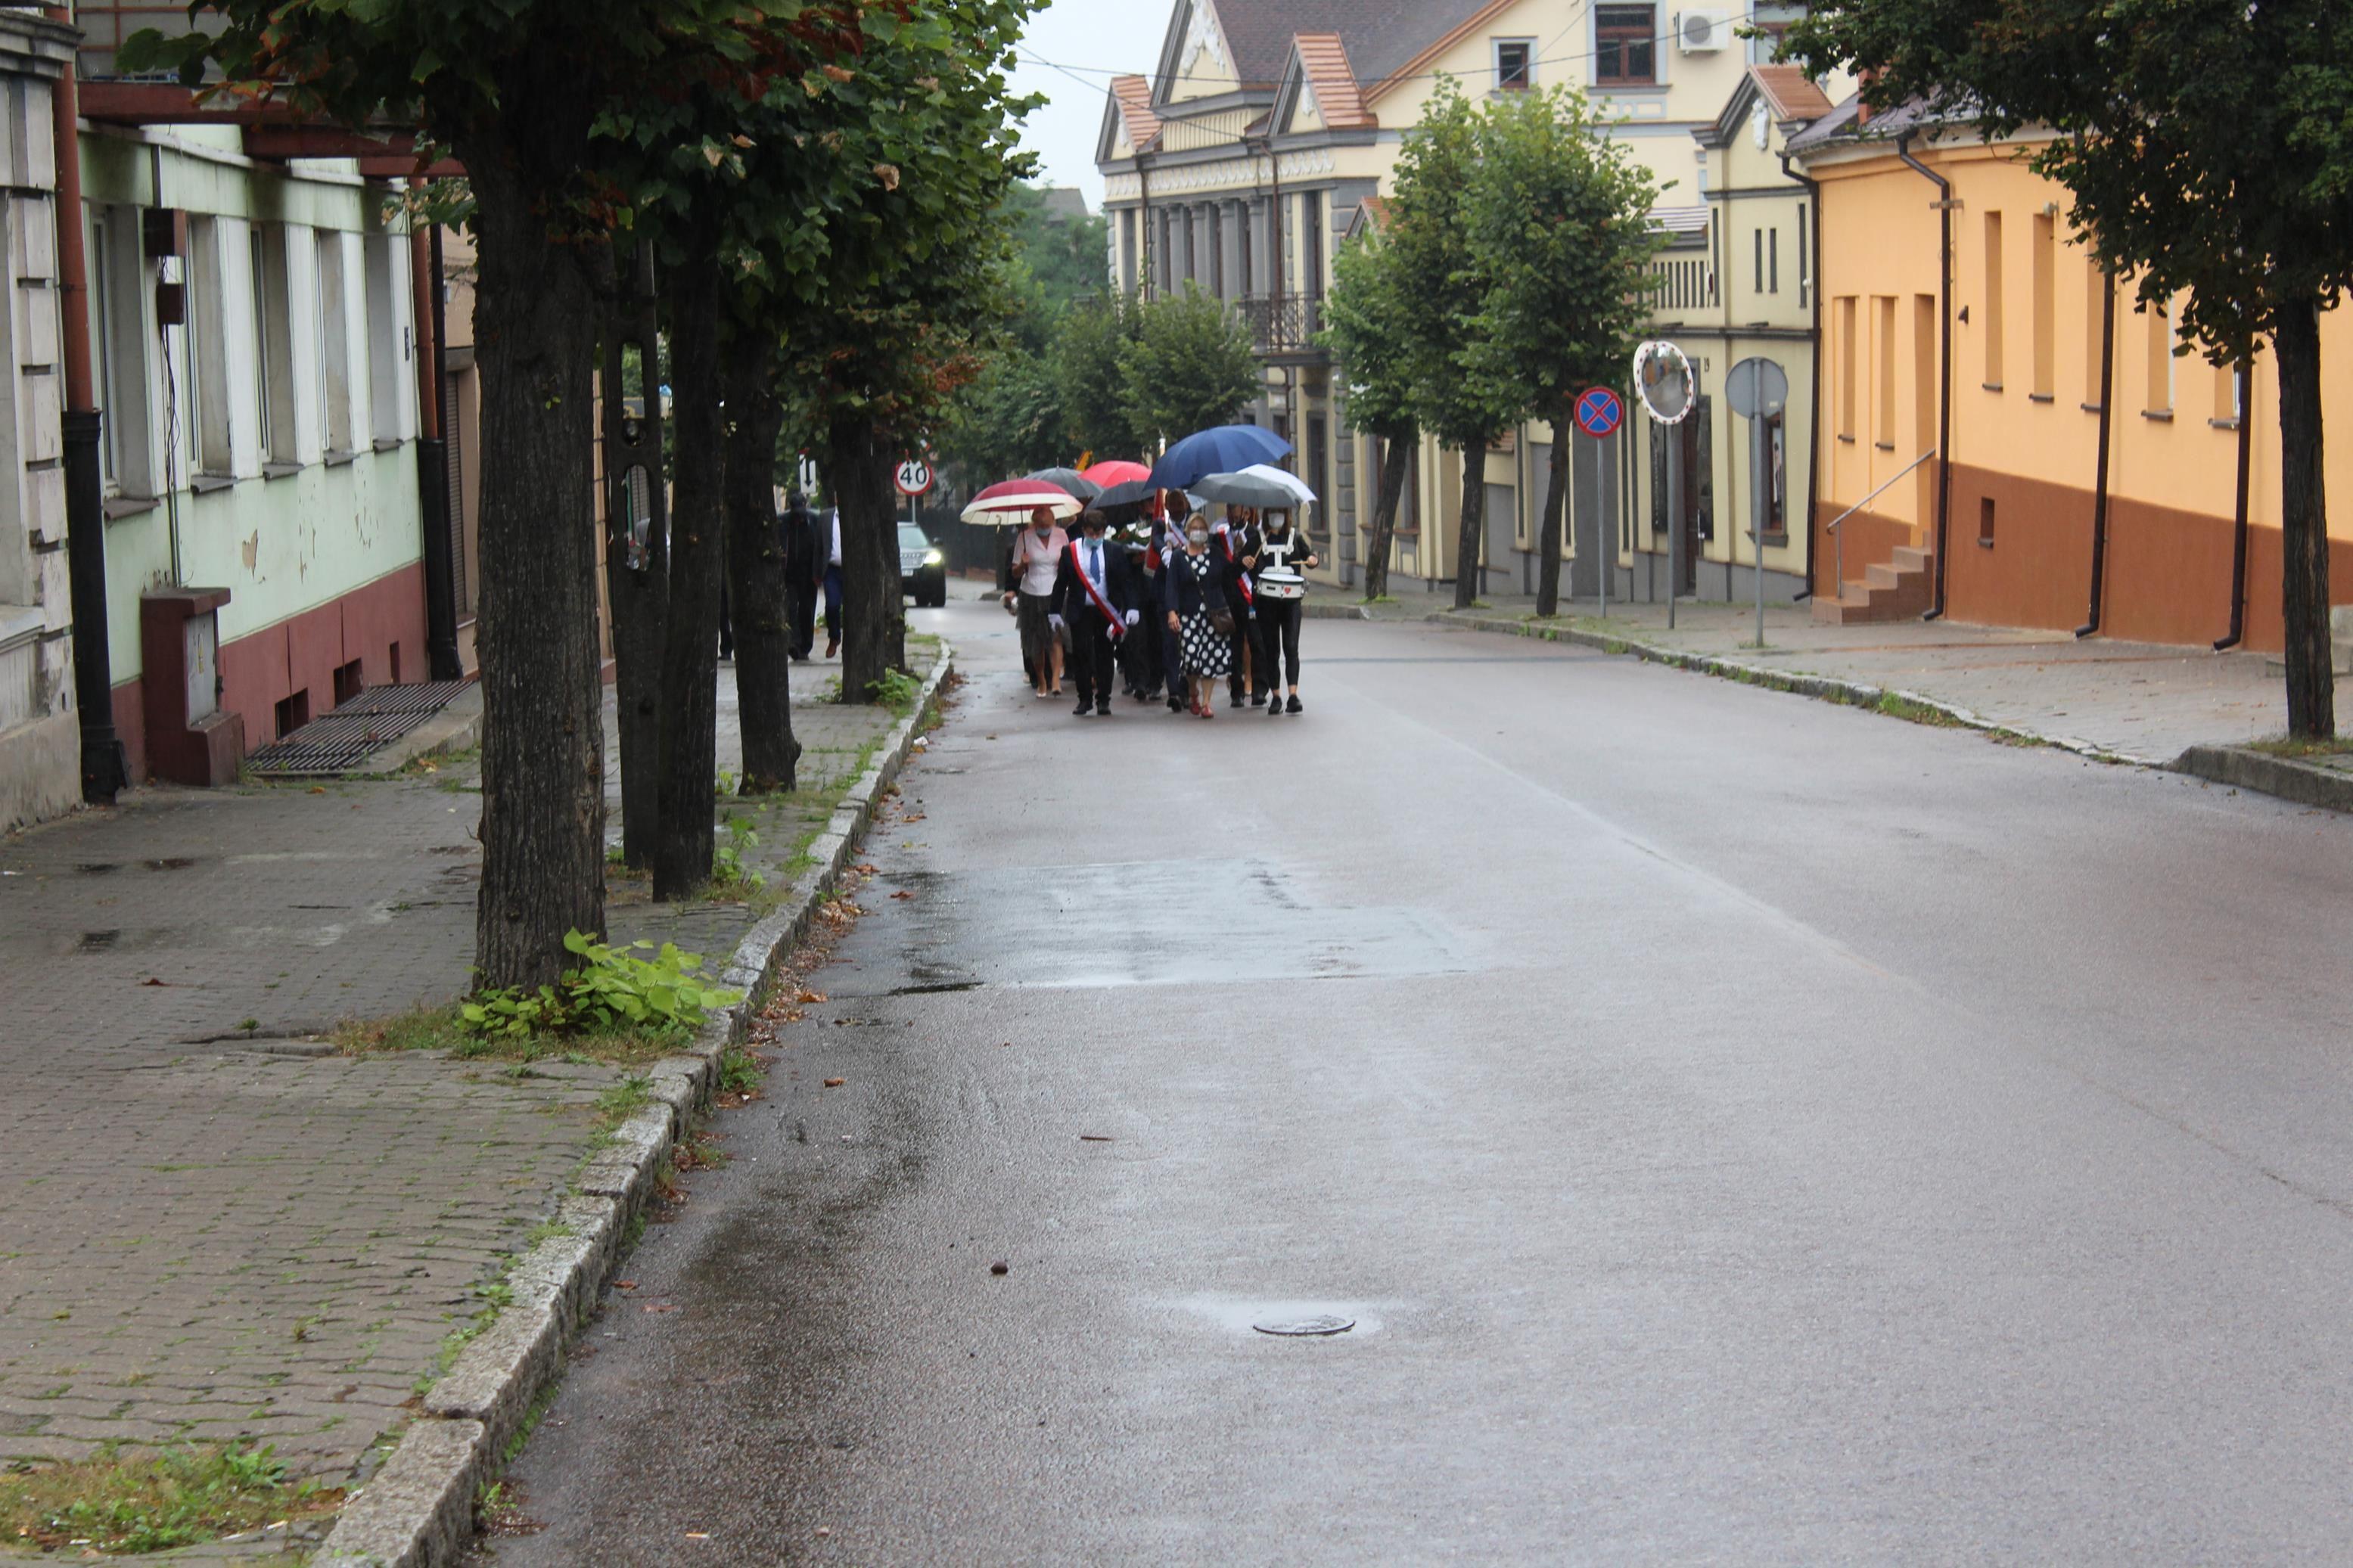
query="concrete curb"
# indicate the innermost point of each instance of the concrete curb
(1325, 610)
(458, 726)
(1828, 688)
(2290, 780)
(417, 1510)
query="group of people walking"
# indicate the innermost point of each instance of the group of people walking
(1173, 611)
(812, 547)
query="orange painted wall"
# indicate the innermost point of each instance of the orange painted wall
(2030, 441)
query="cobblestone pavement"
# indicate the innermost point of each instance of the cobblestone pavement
(215, 1228)
(2148, 700)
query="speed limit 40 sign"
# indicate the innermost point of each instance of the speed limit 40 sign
(913, 477)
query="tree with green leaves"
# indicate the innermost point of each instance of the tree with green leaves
(1189, 366)
(1366, 324)
(2208, 148)
(913, 292)
(1440, 267)
(1088, 362)
(518, 91)
(1560, 217)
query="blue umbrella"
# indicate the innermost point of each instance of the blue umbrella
(1223, 450)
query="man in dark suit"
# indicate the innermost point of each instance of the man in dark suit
(798, 528)
(1094, 604)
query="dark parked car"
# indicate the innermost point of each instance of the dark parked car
(922, 570)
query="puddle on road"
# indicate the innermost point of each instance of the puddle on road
(1152, 922)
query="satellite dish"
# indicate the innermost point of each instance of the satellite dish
(1663, 379)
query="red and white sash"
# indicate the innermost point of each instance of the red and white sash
(1226, 536)
(1078, 567)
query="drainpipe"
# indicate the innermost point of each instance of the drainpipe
(2100, 482)
(1814, 416)
(104, 770)
(1944, 376)
(432, 450)
(2239, 533)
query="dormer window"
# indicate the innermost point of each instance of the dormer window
(1515, 64)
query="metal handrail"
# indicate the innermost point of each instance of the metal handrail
(1839, 556)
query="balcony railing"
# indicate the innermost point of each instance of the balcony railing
(1282, 323)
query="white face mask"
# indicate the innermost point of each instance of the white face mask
(1197, 536)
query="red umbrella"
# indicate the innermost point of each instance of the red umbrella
(1012, 500)
(1115, 471)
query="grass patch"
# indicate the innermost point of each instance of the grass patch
(897, 691)
(621, 1101)
(437, 1030)
(179, 1497)
(2293, 746)
(1913, 713)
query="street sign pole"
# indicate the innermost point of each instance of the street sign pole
(1760, 480)
(1674, 528)
(1759, 389)
(1599, 413)
(1668, 383)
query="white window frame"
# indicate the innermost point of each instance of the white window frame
(204, 394)
(391, 341)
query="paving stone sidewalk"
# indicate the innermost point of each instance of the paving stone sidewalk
(215, 1228)
(2145, 701)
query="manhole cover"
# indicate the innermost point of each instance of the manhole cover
(1321, 1323)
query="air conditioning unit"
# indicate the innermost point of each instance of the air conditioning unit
(1702, 32)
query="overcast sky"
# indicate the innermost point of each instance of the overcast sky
(1106, 35)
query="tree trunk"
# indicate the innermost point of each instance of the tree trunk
(874, 620)
(756, 574)
(2304, 527)
(543, 830)
(636, 568)
(690, 679)
(1475, 519)
(1548, 531)
(1396, 459)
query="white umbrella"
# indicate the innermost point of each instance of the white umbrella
(1012, 502)
(1260, 485)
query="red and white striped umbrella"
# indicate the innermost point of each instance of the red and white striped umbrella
(1013, 501)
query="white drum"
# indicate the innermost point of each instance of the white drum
(1281, 583)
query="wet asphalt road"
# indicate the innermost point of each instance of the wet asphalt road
(1743, 1129)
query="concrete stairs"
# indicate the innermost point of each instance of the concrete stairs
(1898, 591)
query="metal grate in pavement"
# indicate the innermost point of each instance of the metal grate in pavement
(342, 739)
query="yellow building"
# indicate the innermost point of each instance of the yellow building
(2012, 424)
(1266, 127)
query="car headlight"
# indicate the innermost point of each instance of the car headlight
(933, 558)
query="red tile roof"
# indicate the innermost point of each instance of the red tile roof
(1326, 60)
(1135, 96)
(1789, 94)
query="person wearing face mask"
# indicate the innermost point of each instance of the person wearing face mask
(1193, 601)
(1037, 559)
(1091, 604)
(1280, 595)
